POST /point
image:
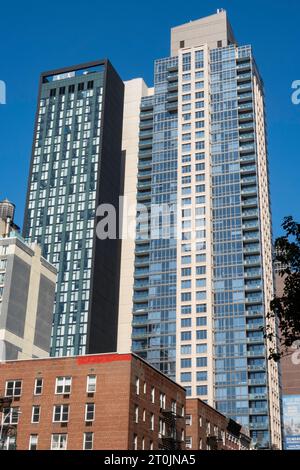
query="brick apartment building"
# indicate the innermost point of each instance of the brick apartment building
(207, 429)
(105, 401)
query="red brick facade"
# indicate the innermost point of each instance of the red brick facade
(124, 395)
(207, 429)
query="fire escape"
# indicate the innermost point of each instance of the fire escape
(169, 440)
(7, 430)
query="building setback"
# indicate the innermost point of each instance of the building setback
(200, 295)
(107, 402)
(27, 289)
(76, 165)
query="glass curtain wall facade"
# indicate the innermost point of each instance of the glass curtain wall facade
(154, 310)
(74, 168)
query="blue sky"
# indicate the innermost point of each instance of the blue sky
(38, 36)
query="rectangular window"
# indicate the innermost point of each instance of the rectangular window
(89, 412)
(186, 363)
(91, 383)
(201, 362)
(63, 385)
(186, 336)
(35, 416)
(88, 440)
(59, 441)
(33, 441)
(10, 415)
(202, 390)
(186, 377)
(152, 394)
(13, 388)
(61, 413)
(38, 386)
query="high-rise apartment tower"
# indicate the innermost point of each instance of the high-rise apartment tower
(200, 296)
(76, 165)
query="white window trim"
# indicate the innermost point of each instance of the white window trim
(35, 386)
(85, 413)
(87, 383)
(84, 440)
(61, 413)
(30, 440)
(60, 438)
(64, 385)
(32, 413)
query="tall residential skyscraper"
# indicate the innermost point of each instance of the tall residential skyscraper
(76, 166)
(200, 298)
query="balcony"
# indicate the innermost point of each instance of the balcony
(247, 137)
(246, 126)
(173, 86)
(248, 168)
(141, 272)
(252, 249)
(259, 426)
(172, 97)
(247, 147)
(172, 106)
(255, 341)
(244, 66)
(148, 124)
(250, 213)
(260, 353)
(144, 173)
(146, 115)
(248, 180)
(251, 225)
(255, 327)
(144, 184)
(250, 202)
(251, 191)
(258, 411)
(246, 117)
(254, 313)
(145, 134)
(257, 382)
(246, 106)
(245, 86)
(140, 296)
(145, 164)
(244, 77)
(145, 143)
(172, 77)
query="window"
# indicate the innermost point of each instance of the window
(186, 377)
(152, 394)
(61, 413)
(201, 334)
(188, 420)
(201, 376)
(152, 422)
(59, 441)
(13, 388)
(33, 441)
(162, 427)
(136, 414)
(144, 415)
(63, 385)
(38, 386)
(181, 44)
(35, 416)
(137, 385)
(162, 400)
(201, 321)
(135, 442)
(219, 44)
(188, 442)
(88, 440)
(186, 363)
(10, 415)
(186, 336)
(89, 411)
(91, 383)
(201, 362)
(145, 388)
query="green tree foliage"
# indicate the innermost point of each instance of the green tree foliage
(286, 308)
